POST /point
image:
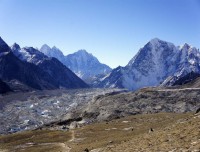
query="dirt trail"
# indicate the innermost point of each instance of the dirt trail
(73, 135)
(173, 90)
(3, 150)
(65, 148)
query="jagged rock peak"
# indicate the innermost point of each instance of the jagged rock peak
(186, 46)
(15, 46)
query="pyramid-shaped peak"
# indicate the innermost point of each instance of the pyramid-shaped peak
(186, 46)
(54, 47)
(155, 41)
(45, 46)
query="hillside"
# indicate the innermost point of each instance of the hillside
(131, 134)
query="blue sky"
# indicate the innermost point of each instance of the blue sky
(112, 30)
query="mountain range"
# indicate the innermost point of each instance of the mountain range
(82, 63)
(157, 63)
(31, 69)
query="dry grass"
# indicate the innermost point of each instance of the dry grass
(34, 141)
(122, 130)
(116, 135)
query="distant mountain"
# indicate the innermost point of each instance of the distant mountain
(52, 52)
(156, 62)
(61, 75)
(83, 64)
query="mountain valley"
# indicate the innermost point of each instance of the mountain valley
(45, 106)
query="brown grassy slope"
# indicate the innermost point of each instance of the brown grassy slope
(184, 135)
(117, 135)
(35, 141)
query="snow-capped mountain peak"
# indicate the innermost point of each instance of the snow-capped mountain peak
(155, 41)
(52, 52)
(82, 63)
(45, 48)
(157, 61)
(28, 54)
(85, 65)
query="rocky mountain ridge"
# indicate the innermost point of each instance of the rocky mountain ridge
(62, 76)
(27, 69)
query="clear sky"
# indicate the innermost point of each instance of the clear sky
(112, 30)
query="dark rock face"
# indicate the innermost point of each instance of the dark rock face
(11, 68)
(4, 88)
(3, 46)
(61, 74)
(187, 78)
(197, 111)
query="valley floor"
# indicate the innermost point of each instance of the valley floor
(146, 132)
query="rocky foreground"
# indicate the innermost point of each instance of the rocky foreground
(101, 120)
(145, 101)
(140, 133)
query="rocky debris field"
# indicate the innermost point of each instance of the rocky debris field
(68, 109)
(30, 110)
(148, 100)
